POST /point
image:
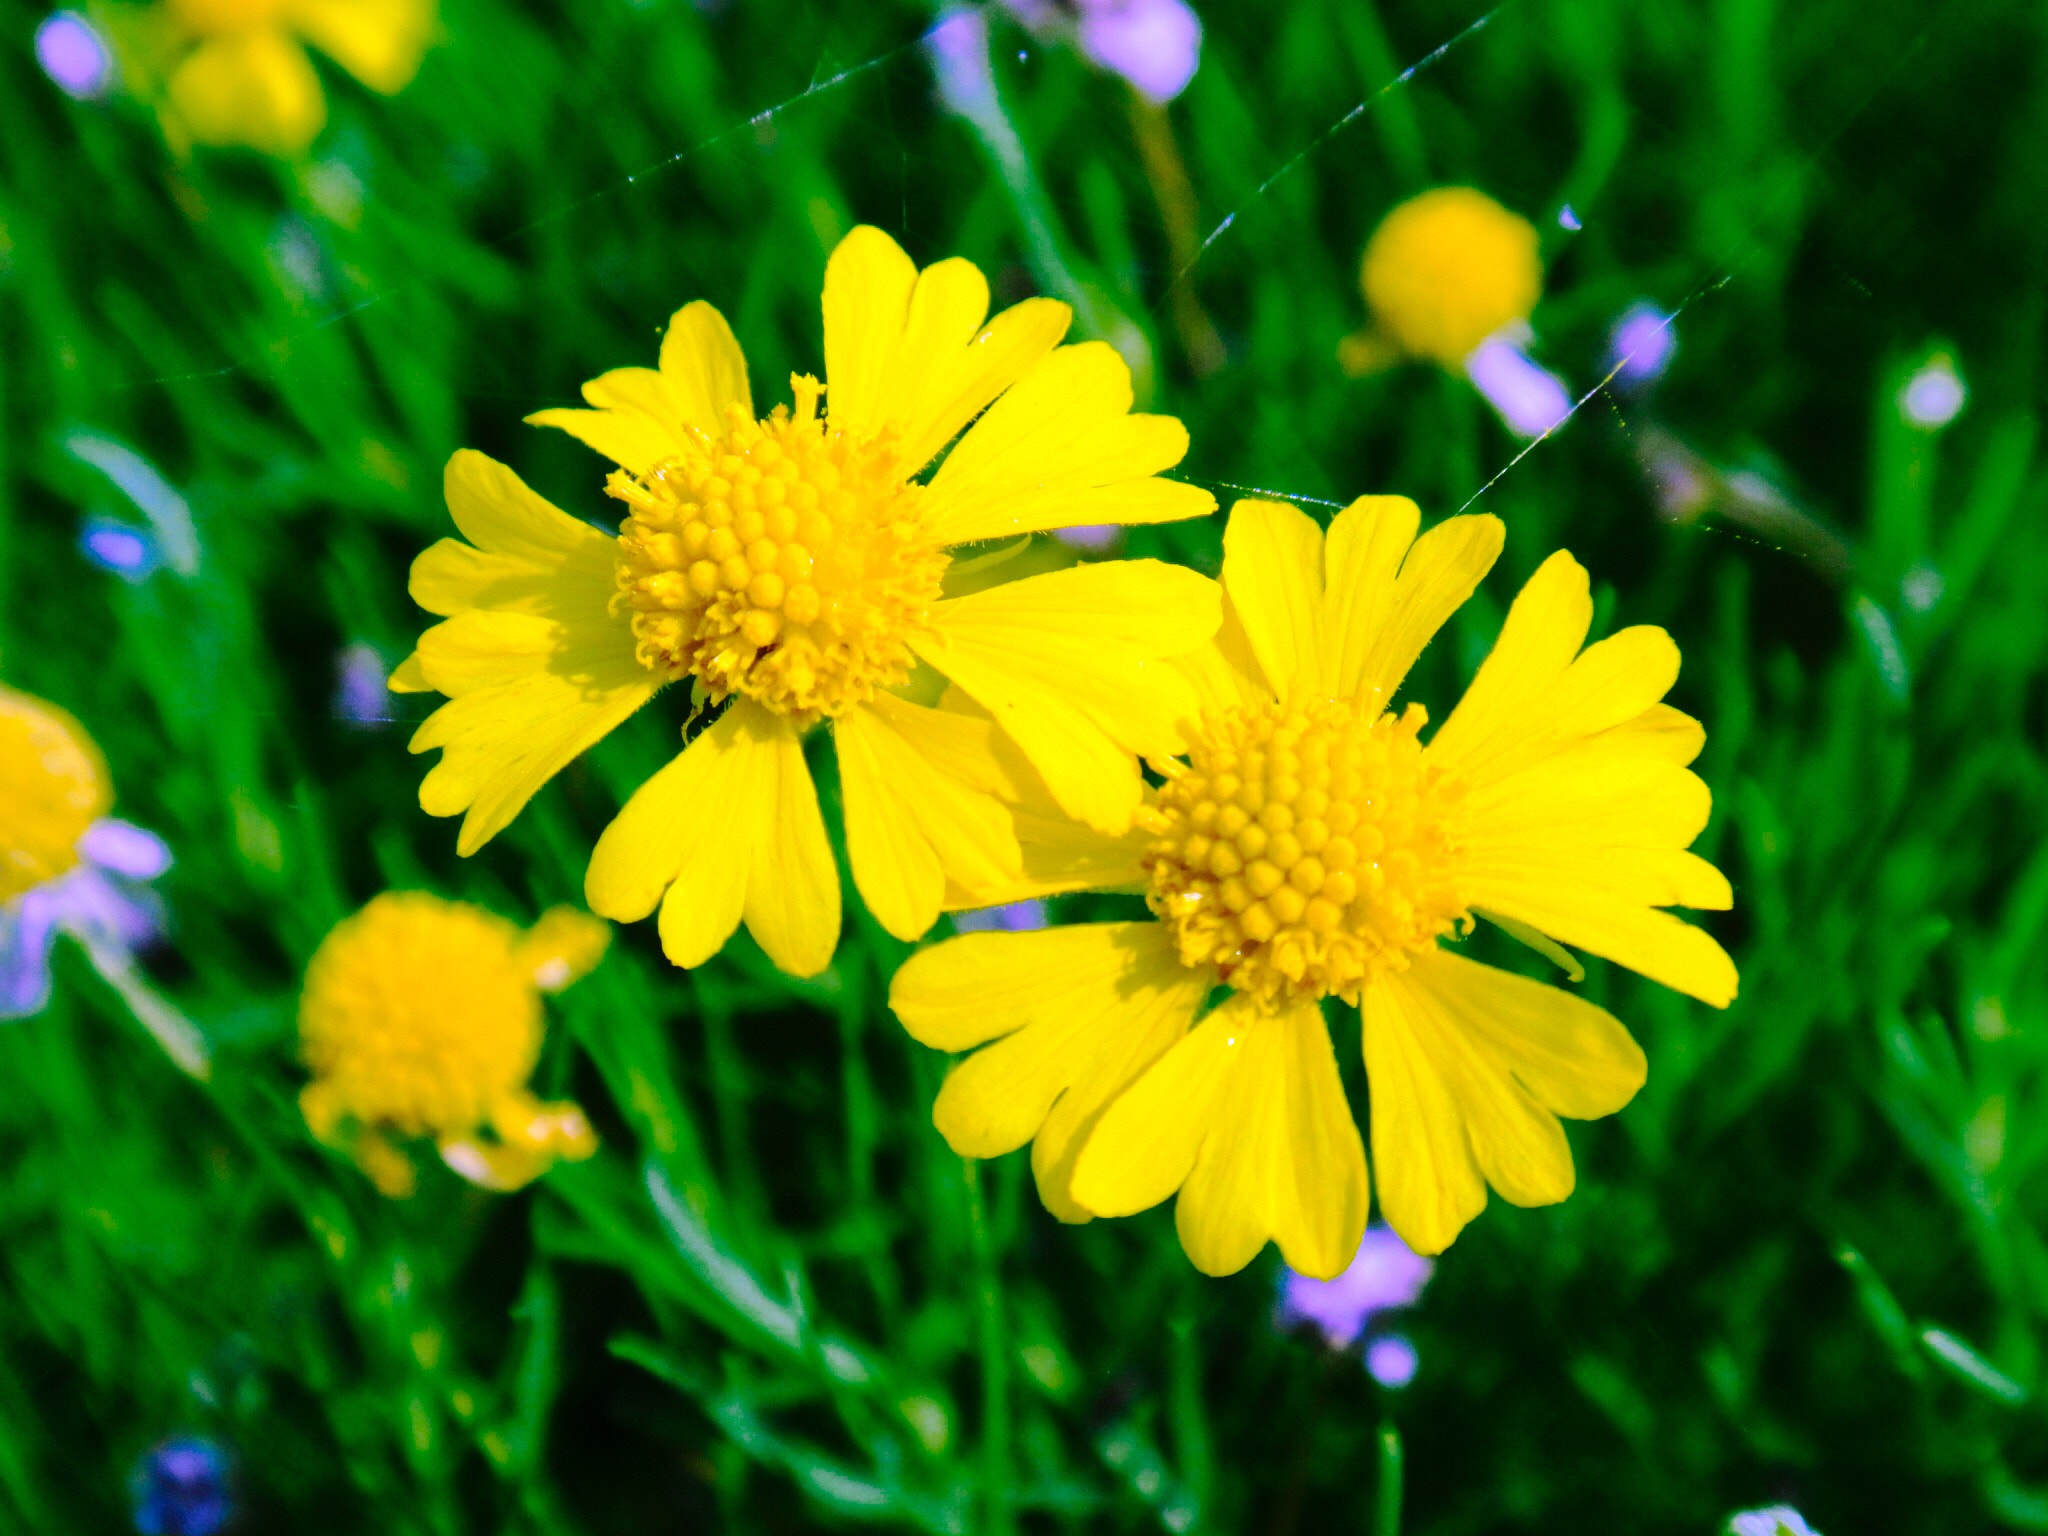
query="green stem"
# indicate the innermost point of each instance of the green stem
(1387, 1516)
(995, 1363)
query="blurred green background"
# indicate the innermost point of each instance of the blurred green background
(1807, 1264)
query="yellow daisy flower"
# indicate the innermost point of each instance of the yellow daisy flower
(422, 1017)
(1443, 272)
(1313, 845)
(53, 786)
(793, 566)
(235, 72)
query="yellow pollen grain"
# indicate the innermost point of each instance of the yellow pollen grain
(785, 562)
(1306, 847)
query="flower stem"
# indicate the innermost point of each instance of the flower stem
(995, 1364)
(1387, 1515)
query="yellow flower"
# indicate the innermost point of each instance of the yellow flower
(53, 786)
(236, 71)
(1444, 271)
(422, 1017)
(793, 566)
(1311, 846)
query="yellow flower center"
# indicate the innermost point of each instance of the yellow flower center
(787, 563)
(53, 785)
(1305, 847)
(420, 1014)
(1447, 269)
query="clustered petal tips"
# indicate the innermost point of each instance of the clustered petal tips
(791, 569)
(422, 1018)
(1312, 844)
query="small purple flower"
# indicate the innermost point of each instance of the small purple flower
(183, 1486)
(1093, 537)
(1530, 399)
(958, 46)
(362, 695)
(1391, 1361)
(1385, 1276)
(1934, 396)
(113, 546)
(103, 901)
(1154, 44)
(1640, 347)
(1016, 917)
(75, 56)
(1777, 1520)
(1568, 218)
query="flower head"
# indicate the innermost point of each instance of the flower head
(1391, 1360)
(1384, 1276)
(183, 1486)
(1933, 396)
(792, 568)
(1313, 844)
(422, 1017)
(53, 786)
(236, 72)
(1443, 272)
(66, 867)
(1641, 346)
(75, 56)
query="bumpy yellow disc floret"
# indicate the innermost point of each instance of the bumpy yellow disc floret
(422, 1017)
(1447, 269)
(53, 785)
(1305, 847)
(788, 563)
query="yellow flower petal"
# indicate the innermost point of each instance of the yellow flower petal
(947, 366)
(1574, 1059)
(1596, 794)
(1225, 673)
(255, 88)
(1283, 1158)
(380, 42)
(729, 828)
(642, 416)
(1082, 1011)
(1068, 663)
(1390, 592)
(692, 826)
(910, 825)
(793, 887)
(409, 677)
(704, 369)
(1246, 1117)
(976, 988)
(525, 551)
(1273, 571)
(632, 441)
(536, 666)
(868, 283)
(1602, 903)
(1428, 1183)
(1145, 1144)
(1545, 627)
(1516, 1143)
(1059, 449)
(528, 695)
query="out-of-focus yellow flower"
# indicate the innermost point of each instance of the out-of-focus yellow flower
(1311, 846)
(1443, 272)
(793, 565)
(228, 72)
(53, 786)
(422, 1017)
